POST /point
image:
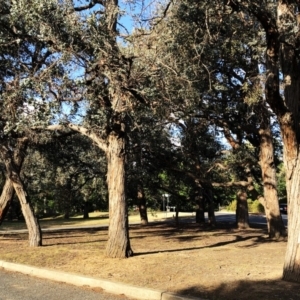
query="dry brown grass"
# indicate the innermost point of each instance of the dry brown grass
(214, 263)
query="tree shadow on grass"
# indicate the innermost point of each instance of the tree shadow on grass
(249, 238)
(74, 243)
(246, 290)
(256, 241)
(182, 236)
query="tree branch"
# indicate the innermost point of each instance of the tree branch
(90, 134)
(80, 129)
(90, 5)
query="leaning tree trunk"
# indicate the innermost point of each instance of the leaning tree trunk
(8, 189)
(275, 223)
(118, 245)
(6, 198)
(34, 230)
(242, 215)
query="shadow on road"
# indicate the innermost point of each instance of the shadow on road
(247, 290)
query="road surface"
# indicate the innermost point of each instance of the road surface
(253, 219)
(16, 286)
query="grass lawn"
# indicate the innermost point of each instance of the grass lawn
(212, 263)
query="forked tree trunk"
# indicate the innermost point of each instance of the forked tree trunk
(34, 230)
(142, 204)
(242, 215)
(8, 190)
(275, 223)
(118, 245)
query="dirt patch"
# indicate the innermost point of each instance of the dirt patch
(212, 263)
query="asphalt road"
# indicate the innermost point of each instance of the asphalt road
(16, 286)
(253, 219)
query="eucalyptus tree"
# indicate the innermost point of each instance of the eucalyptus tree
(97, 71)
(279, 20)
(23, 57)
(224, 82)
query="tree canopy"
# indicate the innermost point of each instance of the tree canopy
(189, 99)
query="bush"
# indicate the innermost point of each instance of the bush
(253, 206)
(231, 206)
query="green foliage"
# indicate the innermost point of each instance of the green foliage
(231, 206)
(253, 206)
(281, 184)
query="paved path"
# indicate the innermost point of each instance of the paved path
(15, 286)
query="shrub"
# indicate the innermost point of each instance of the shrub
(253, 206)
(231, 206)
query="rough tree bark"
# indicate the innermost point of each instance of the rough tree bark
(290, 129)
(282, 41)
(275, 223)
(242, 215)
(6, 198)
(118, 245)
(8, 189)
(34, 230)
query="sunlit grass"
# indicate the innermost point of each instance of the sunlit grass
(95, 218)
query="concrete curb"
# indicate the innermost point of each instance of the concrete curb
(80, 280)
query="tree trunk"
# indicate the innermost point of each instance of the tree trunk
(8, 190)
(290, 130)
(177, 207)
(118, 245)
(211, 208)
(200, 217)
(66, 200)
(142, 205)
(6, 198)
(34, 230)
(242, 216)
(291, 269)
(275, 223)
(86, 210)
